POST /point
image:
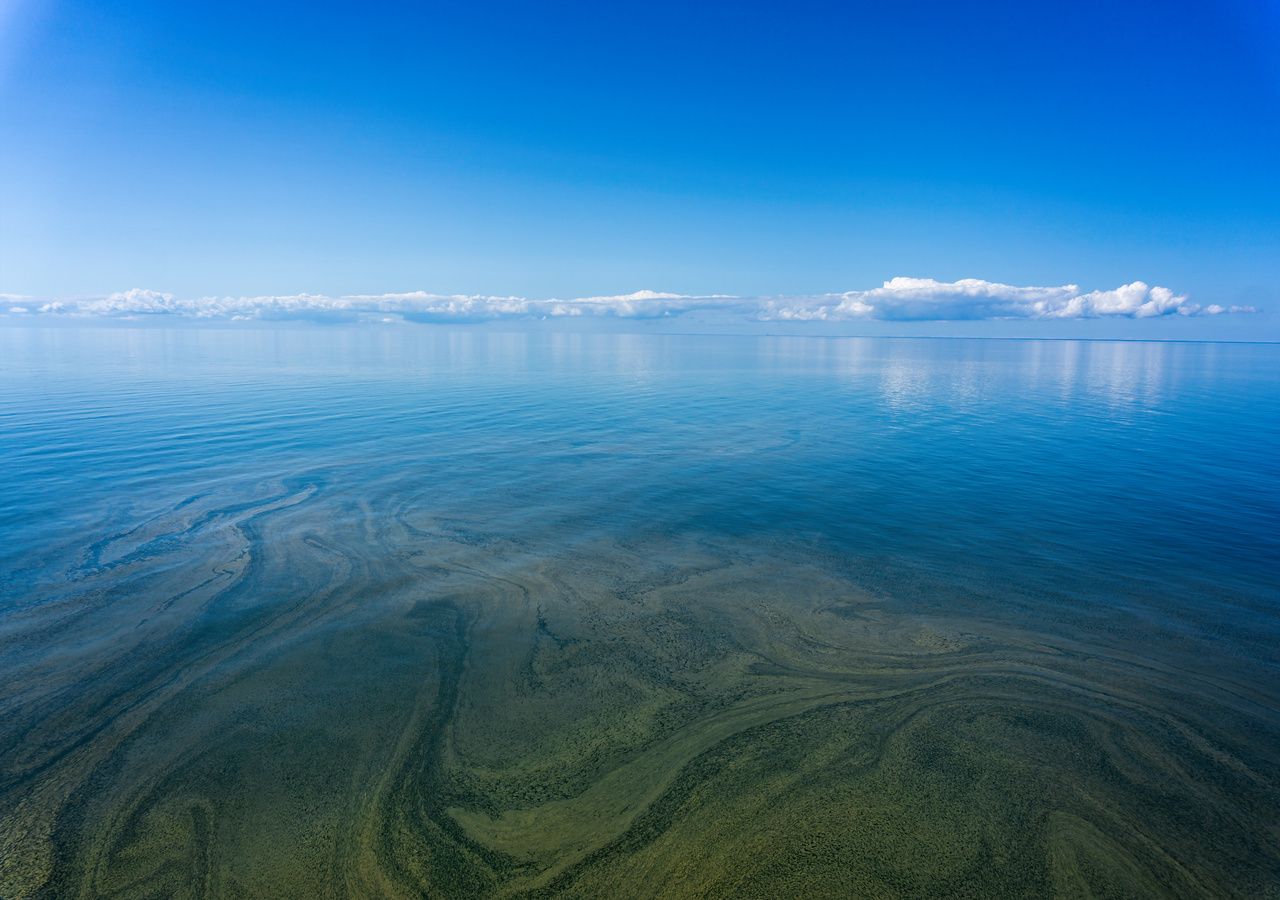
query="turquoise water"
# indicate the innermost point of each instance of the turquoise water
(444, 611)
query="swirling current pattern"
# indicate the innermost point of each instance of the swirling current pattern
(590, 624)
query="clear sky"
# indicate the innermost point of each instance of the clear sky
(581, 149)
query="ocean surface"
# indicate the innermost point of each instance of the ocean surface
(307, 612)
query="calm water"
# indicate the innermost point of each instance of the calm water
(438, 611)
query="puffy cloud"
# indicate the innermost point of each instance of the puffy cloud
(918, 299)
(122, 303)
(899, 299)
(15, 304)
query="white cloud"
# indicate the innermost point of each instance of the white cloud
(17, 303)
(413, 305)
(899, 299)
(907, 299)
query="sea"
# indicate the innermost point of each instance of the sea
(430, 610)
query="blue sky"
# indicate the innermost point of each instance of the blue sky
(567, 150)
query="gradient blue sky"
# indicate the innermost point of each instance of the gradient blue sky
(571, 149)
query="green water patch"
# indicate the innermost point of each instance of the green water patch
(295, 698)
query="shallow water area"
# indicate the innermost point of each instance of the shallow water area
(451, 611)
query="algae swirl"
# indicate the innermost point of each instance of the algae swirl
(337, 696)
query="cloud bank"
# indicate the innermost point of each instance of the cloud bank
(412, 306)
(899, 299)
(924, 299)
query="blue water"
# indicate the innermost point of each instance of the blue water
(191, 515)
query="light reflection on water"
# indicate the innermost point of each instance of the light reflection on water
(192, 517)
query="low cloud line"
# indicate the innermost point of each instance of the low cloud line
(900, 299)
